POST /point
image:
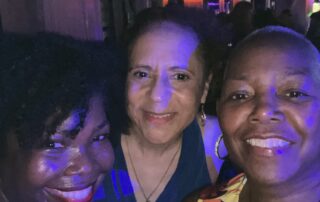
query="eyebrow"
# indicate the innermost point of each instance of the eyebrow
(172, 68)
(71, 133)
(102, 125)
(140, 66)
(56, 136)
(178, 68)
(241, 77)
(74, 132)
(288, 72)
(296, 72)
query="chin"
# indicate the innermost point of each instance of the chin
(156, 141)
(85, 195)
(270, 176)
(160, 138)
(75, 194)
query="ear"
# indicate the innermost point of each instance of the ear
(206, 89)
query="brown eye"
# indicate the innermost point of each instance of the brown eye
(295, 94)
(53, 145)
(181, 77)
(101, 137)
(239, 96)
(140, 74)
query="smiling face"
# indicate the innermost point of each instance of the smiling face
(165, 83)
(73, 162)
(269, 111)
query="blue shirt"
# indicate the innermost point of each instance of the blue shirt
(190, 175)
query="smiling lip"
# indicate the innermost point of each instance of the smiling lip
(268, 143)
(268, 147)
(79, 195)
(158, 118)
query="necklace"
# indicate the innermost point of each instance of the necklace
(162, 177)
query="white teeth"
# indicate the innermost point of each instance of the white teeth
(75, 195)
(267, 143)
(160, 116)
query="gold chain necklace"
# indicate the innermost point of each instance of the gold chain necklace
(162, 178)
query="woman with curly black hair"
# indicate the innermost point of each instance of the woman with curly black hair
(57, 113)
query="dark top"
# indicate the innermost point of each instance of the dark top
(190, 175)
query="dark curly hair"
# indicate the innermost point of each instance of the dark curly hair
(46, 73)
(269, 36)
(212, 39)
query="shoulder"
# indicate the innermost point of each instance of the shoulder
(229, 192)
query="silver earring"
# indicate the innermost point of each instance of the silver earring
(217, 146)
(202, 115)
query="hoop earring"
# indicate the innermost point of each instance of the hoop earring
(217, 146)
(202, 115)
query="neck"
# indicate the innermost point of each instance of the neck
(146, 148)
(281, 193)
(150, 165)
(201, 124)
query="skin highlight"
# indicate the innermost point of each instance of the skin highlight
(56, 126)
(162, 82)
(67, 167)
(270, 94)
(168, 80)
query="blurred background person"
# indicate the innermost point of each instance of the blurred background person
(241, 18)
(314, 29)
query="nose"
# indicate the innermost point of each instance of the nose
(266, 110)
(161, 90)
(80, 162)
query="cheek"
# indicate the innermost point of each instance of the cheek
(136, 87)
(305, 119)
(311, 117)
(41, 170)
(232, 118)
(132, 103)
(186, 100)
(133, 109)
(135, 96)
(104, 156)
(232, 121)
(188, 94)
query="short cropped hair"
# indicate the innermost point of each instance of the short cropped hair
(273, 36)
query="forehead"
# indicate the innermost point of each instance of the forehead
(80, 117)
(274, 58)
(72, 121)
(165, 39)
(172, 29)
